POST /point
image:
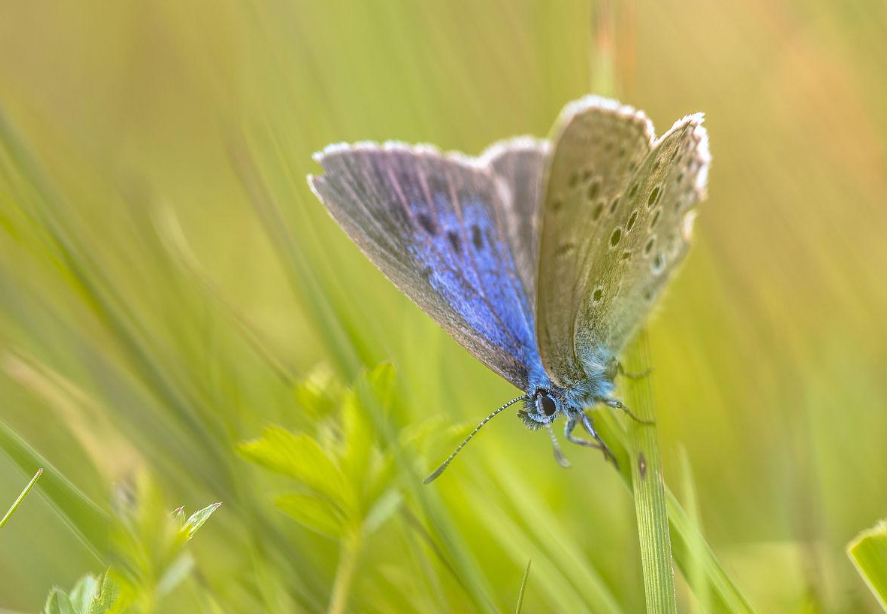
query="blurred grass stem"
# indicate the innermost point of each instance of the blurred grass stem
(345, 573)
(20, 498)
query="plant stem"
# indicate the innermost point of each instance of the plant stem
(649, 490)
(344, 573)
(21, 498)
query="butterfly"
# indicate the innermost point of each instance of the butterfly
(540, 257)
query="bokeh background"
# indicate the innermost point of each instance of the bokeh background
(169, 287)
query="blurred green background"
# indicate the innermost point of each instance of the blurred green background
(169, 287)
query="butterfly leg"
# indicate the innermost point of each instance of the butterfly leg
(597, 443)
(632, 375)
(617, 404)
(558, 455)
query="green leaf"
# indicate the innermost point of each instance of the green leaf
(84, 592)
(198, 518)
(109, 600)
(869, 554)
(319, 393)
(300, 457)
(357, 440)
(358, 436)
(313, 512)
(59, 603)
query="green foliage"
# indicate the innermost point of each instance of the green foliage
(91, 595)
(150, 553)
(169, 287)
(869, 554)
(345, 482)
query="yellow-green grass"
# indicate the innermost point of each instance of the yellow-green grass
(169, 288)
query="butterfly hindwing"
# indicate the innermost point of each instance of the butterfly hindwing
(443, 228)
(520, 163)
(646, 240)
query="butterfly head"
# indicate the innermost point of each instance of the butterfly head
(541, 408)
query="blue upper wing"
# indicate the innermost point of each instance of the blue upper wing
(457, 235)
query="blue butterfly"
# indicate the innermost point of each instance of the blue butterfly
(540, 257)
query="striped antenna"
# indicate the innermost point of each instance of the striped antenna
(443, 466)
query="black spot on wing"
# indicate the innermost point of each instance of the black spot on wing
(455, 241)
(427, 224)
(477, 237)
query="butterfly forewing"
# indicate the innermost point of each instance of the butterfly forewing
(446, 229)
(597, 147)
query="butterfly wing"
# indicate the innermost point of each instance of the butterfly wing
(597, 146)
(654, 231)
(618, 256)
(520, 162)
(445, 229)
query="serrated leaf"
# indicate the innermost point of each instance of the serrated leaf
(83, 592)
(313, 512)
(198, 518)
(58, 602)
(107, 600)
(300, 457)
(869, 554)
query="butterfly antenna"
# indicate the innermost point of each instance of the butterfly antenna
(444, 465)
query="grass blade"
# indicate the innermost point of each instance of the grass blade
(87, 520)
(696, 574)
(690, 550)
(649, 490)
(523, 587)
(869, 554)
(20, 498)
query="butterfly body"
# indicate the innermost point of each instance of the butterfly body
(540, 257)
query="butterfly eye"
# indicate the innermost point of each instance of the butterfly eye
(545, 404)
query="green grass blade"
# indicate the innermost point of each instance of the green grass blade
(15, 505)
(86, 519)
(696, 574)
(869, 554)
(649, 490)
(687, 541)
(523, 587)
